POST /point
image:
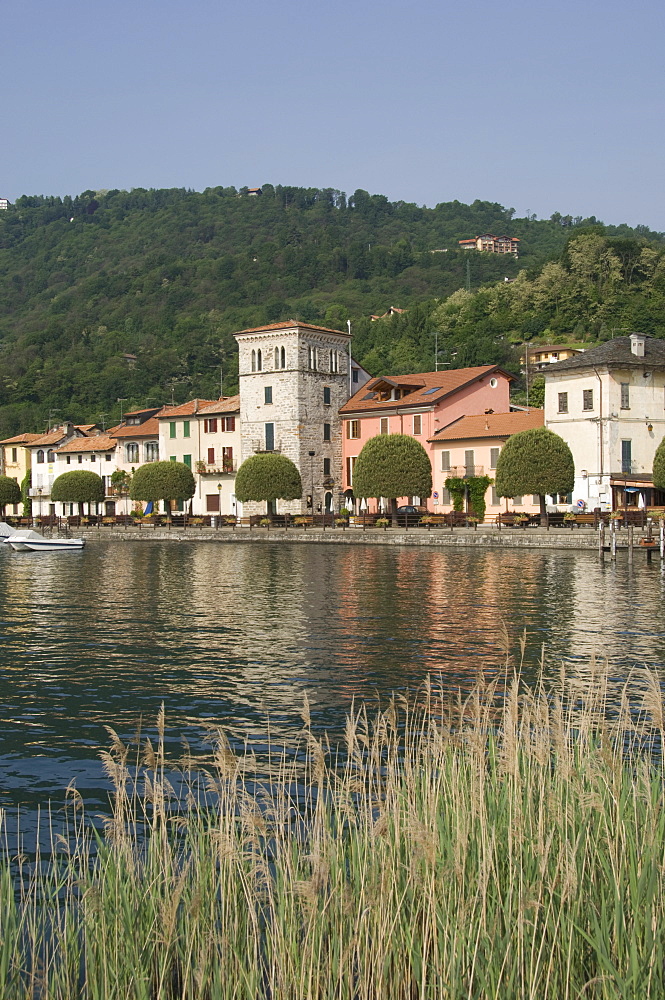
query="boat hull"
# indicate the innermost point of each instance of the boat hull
(28, 543)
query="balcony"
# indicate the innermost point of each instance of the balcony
(224, 468)
(259, 447)
(464, 471)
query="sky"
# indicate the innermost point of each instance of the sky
(540, 106)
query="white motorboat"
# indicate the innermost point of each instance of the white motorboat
(31, 541)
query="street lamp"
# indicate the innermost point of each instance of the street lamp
(39, 494)
(219, 498)
(311, 469)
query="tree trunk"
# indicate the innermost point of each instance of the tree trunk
(543, 511)
(393, 511)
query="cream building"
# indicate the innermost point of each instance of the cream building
(608, 404)
(204, 434)
(294, 378)
(15, 461)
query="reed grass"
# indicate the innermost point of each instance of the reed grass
(485, 847)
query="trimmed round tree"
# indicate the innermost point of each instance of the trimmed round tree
(78, 487)
(391, 466)
(10, 492)
(535, 461)
(268, 477)
(659, 466)
(165, 481)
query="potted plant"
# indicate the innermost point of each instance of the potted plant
(301, 521)
(521, 520)
(341, 521)
(265, 522)
(570, 518)
(201, 467)
(473, 520)
(382, 522)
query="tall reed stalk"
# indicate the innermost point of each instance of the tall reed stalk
(481, 848)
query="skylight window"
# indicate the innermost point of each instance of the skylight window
(428, 392)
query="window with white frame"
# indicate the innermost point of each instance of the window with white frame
(445, 461)
(131, 452)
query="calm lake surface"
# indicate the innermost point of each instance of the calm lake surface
(237, 634)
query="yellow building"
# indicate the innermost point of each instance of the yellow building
(15, 461)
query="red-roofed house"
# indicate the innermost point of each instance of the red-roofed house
(419, 405)
(204, 434)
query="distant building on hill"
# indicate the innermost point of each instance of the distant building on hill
(4, 204)
(488, 243)
(392, 311)
(537, 357)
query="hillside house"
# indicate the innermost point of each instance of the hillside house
(488, 243)
(15, 461)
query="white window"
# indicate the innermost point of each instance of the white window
(494, 457)
(445, 461)
(131, 452)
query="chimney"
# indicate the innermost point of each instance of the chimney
(637, 341)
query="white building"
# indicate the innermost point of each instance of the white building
(608, 404)
(294, 378)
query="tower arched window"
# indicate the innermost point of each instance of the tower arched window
(253, 361)
(277, 357)
(283, 357)
(259, 362)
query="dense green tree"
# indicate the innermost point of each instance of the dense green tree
(10, 492)
(535, 461)
(392, 466)
(137, 297)
(79, 486)
(659, 466)
(268, 477)
(26, 483)
(165, 481)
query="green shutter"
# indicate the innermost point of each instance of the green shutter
(187, 460)
(185, 428)
(172, 429)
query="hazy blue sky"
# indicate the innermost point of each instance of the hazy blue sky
(541, 106)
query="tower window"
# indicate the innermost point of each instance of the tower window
(326, 395)
(267, 394)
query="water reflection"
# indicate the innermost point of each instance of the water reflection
(233, 633)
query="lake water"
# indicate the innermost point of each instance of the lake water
(237, 634)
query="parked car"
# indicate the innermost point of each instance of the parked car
(408, 514)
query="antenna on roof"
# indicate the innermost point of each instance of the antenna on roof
(121, 401)
(50, 416)
(102, 417)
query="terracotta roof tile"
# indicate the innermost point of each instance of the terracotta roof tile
(186, 409)
(21, 439)
(100, 442)
(149, 428)
(490, 425)
(229, 404)
(429, 387)
(51, 438)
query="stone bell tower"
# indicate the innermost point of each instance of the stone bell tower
(294, 377)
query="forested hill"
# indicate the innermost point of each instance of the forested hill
(166, 276)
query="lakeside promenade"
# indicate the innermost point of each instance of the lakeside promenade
(484, 536)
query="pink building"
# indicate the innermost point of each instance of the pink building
(419, 405)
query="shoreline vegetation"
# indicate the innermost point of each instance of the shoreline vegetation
(508, 842)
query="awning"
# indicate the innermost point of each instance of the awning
(634, 489)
